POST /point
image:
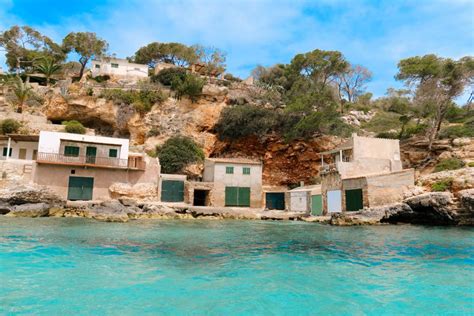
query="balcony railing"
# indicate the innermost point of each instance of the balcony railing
(93, 161)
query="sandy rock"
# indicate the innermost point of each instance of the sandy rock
(28, 194)
(462, 178)
(371, 216)
(30, 210)
(461, 141)
(139, 190)
(214, 90)
(413, 191)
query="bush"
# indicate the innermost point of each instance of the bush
(74, 127)
(231, 77)
(442, 185)
(9, 126)
(168, 75)
(449, 164)
(383, 121)
(457, 131)
(90, 92)
(154, 131)
(191, 86)
(388, 135)
(142, 100)
(471, 164)
(101, 78)
(245, 120)
(412, 130)
(177, 152)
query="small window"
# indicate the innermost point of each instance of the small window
(246, 170)
(229, 170)
(97, 66)
(5, 152)
(113, 153)
(71, 151)
(114, 65)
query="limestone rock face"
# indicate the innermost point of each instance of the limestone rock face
(461, 178)
(466, 212)
(434, 208)
(30, 210)
(139, 190)
(371, 216)
(355, 118)
(24, 194)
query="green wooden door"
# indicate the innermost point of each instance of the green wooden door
(91, 153)
(275, 200)
(237, 196)
(316, 205)
(80, 188)
(354, 200)
(172, 191)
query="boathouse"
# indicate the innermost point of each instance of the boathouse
(363, 172)
(84, 167)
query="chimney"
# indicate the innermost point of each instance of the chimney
(301, 183)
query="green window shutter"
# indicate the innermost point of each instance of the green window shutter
(354, 200)
(316, 205)
(229, 170)
(5, 149)
(172, 191)
(71, 151)
(246, 170)
(275, 200)
(80, 188)
(244, 197)
(113, 153)
(231, 196)
(114, 65)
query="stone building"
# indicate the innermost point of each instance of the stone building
(363, 172)
(118, 67)
(232, 182)
(84, 167)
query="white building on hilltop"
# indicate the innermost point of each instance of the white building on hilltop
(118, 67)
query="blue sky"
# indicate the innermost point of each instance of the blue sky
(375, 34)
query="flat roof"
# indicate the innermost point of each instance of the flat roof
(20, 137)
(344, 146)
(235, 160)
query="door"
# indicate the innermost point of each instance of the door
(172, 191)
(80, 188)
(334, 201)
(316, 205)
(298, 201)
(91, 153)
(237, 196)
(22, 153)
(275, 200)
(201, 197)
(35, 154)
(354, 200)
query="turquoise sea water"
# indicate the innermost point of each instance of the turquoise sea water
(52, 266)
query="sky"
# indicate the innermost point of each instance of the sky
(375, 34)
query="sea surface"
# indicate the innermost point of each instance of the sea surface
(67, 266)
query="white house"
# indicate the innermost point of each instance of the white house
(22, 147)
(118, 67)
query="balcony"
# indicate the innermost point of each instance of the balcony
(91, 161)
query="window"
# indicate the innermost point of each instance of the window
(71, 151)
(229, 170)
(246, 170)
(137, 69)
(5, 152)
(113, 153)
(114, 65)
(97, 66)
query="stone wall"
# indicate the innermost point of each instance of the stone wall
(389, 188)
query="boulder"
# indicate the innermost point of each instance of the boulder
(23, 194)
(30, 210)
(433, 208)
(111, 211)
(369, 216)
(458, 142)
(466, 211)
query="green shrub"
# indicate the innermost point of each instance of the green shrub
(90, 92)
(412, 130)
(471, 164)
(244, 120)
(449, 164)
(101, 78)
(168, 75)
(154, 131)
(9, 126)
(191, 86)
(177, 152)
(231, 77)
(142, 100)
(383, 121)
(388, 135)
(442, 185)
(74, 127)
(464, 130)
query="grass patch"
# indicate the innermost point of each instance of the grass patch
(449, 164)
(442, 185)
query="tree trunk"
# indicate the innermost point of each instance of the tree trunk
(81, 73)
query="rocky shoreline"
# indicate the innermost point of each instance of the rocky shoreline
(432, 208)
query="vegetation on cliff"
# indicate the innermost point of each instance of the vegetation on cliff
(178, 152)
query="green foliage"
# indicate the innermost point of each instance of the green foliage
(449, 164)
(21, 93)
(231, 77)
(48, 67)
(90, 92)
(191, 86)
(456, 114)
(85, 44)
(9, 126)
(471, 164)
(172, 53)
(154, 131)
(142, 100)
(168, 75)
(389, 135)
(100, 78)
(246, 120)
(456, 131)
(177, 152)
(442, 185)
(413, 130)
(74, 127)
(382, 122)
